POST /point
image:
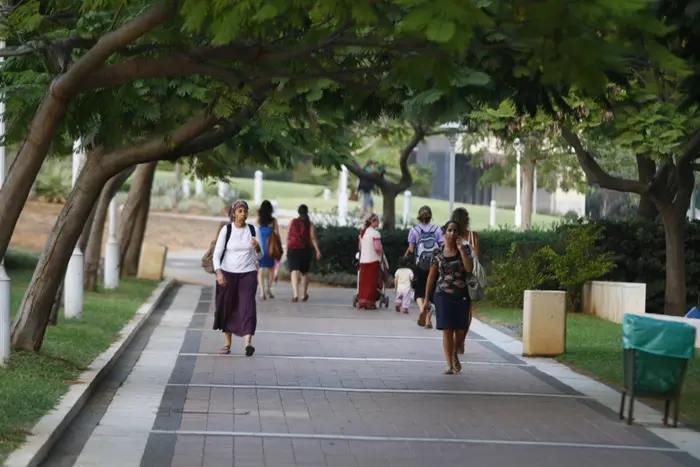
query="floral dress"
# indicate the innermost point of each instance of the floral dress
(452, 294)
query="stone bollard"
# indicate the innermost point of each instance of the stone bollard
(258, 187)
(111, 263)
(326, 194)
(492, 216)
(544, 323)
(406, 207)
(186, 188)
(152, 262)
(343, 197)
(223, 191)
(198, 187)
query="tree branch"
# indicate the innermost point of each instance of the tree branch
(94, 58)
(595, 173)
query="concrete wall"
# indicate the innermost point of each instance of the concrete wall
(611, 300)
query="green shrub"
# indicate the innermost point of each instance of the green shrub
(53, 184)
(516, 273)
(18, 260)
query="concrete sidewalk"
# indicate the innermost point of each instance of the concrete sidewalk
(330, 385)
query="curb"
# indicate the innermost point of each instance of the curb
(52, 425)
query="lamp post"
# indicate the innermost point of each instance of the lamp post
(4, 278)
(518, 188)
(452, 135)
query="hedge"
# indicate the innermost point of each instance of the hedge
(638, 247)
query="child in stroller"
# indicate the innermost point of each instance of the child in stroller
(382, 297)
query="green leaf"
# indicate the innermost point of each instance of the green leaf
(268, 11)
(472, 78)
(439, 31)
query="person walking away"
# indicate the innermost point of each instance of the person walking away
(301, 236)
(449, 272)
(267, 225)
(365, 188)
(403, 280)
(370, 264)
(423, 240)
(235, 256)
(461, 216)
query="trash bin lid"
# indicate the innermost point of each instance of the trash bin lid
(658, 336)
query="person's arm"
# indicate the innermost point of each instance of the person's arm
(477, 250)
(411, 242)
(430, 283)
(276, 226)
(219, 249)
(396, 281)
(314, 242)
(465, 254)
(440, 237)
(377, 242)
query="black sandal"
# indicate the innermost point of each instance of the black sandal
(249, 350)
(225, 350)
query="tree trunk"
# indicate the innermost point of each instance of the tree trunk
(527, 194)
(29, 327)
(134, 219)
(57, 302)
(647, 209)
(646, 169)
(674, 230)
(389, 208)
(93, 252)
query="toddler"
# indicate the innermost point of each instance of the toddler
(403, 278)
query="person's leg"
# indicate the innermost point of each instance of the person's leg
(247, 310)
(305, 286)
(261, 289)
(295, 285)
(406, 302)
(461, 343)
(458, 337)
(227, 343)
(363, 204)
(370, 201)
(270, 279)
(448, 347)
(399, 301)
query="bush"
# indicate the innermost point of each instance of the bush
(516, 273)
(18, 260)
(53, 184)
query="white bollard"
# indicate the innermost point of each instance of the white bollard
(186, 188)
(223, 190)
(73, 284)
(258, 187)
(5, 303)
(343, 197)
(492, 217)
(406, 207)
(111, 266)
(326, 194)
(198, 187)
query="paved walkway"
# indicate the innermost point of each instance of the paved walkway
(333, 386)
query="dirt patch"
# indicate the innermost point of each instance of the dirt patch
(178, 233)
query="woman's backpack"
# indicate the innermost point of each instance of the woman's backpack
(425, 247)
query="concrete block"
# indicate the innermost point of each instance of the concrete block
(544, 323)
(611, 300)
(152, 262)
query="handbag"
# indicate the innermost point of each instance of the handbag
(274, 246)
(477, 282)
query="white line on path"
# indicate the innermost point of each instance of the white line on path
(350, 359)
(331, 334)
(624, 447)
(381, 390)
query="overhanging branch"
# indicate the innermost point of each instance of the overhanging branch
(595, 173)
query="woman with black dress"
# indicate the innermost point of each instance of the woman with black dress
(449, 271)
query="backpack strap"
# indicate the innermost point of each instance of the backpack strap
(252, 230)
(228, 237)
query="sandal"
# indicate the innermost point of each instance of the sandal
(225, 350)
(295, 299)
(421, 318)
(269, 294)
(456, 364)
(429, 326)
(448, 371)
(305, 298)
(249, 350)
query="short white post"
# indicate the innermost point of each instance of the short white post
(492, 216)
(258, 187)
(5, 325)
(198, 187)
(223, 190)
(326, 194)
(518, 186)
(406, 207)
(343, 196)
(73, 286)
(534, 191)
(186, 191)
(544, 323)
(111, 271)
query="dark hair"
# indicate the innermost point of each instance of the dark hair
(425, 214)
(304, 214)
(459, 227)
(404, 262)
(265, 214)
(461, 217)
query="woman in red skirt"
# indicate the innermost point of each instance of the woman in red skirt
(370, 262)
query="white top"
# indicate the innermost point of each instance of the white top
(403, 276)
(240, 255)
(367, 252)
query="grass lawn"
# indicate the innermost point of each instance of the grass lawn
(594, 346)
(291, 195)
(32, 384)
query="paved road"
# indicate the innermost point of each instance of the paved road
(333, 386)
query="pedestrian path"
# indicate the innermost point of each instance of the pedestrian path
(330, 385)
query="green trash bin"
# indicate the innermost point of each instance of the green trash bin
(656, 355)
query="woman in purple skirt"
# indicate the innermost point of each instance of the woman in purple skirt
(235, 256)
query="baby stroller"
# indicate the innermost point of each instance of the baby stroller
(382, 297)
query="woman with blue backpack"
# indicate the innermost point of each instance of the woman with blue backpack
(424, 240)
